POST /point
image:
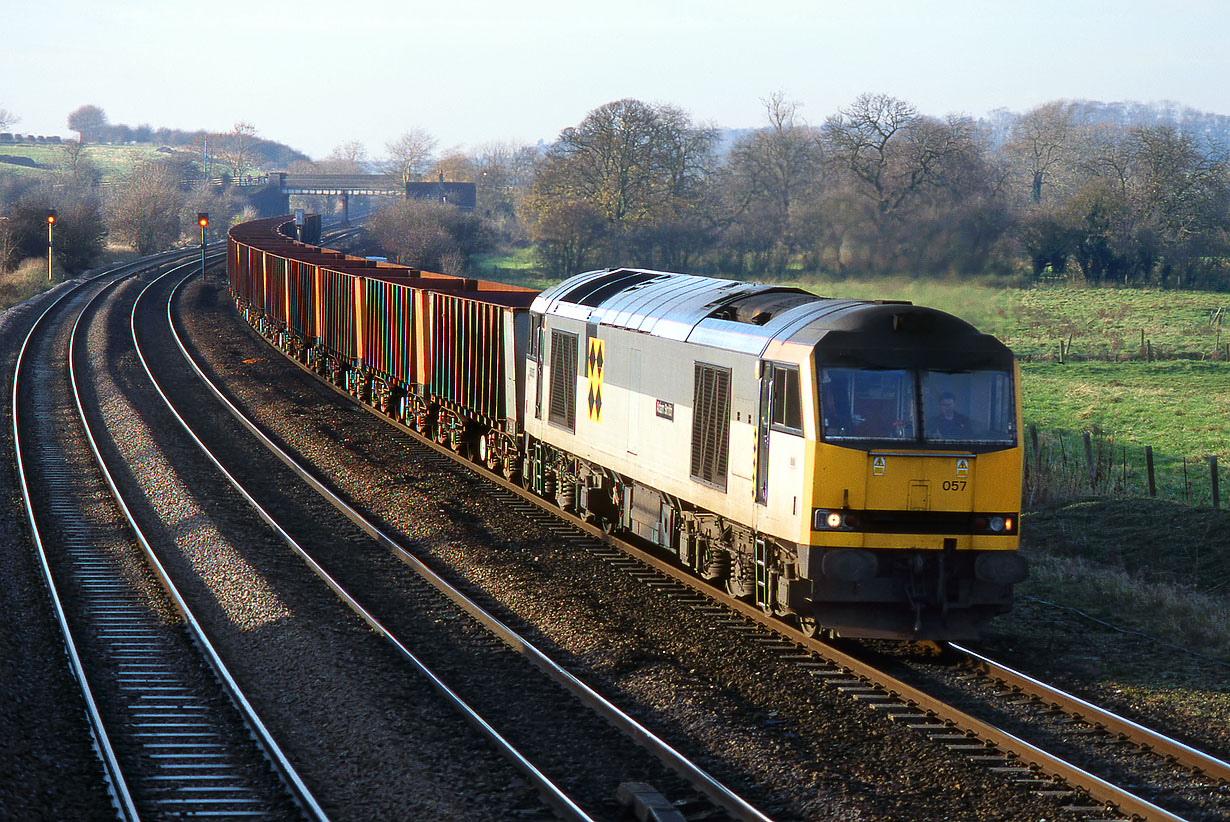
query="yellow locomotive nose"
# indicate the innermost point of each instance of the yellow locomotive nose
(920, 481)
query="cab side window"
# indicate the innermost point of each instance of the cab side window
(787, 405)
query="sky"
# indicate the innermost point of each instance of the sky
(315, 75)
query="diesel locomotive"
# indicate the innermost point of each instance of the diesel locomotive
(852, 466)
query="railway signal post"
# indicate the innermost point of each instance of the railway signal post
(202, 219)
(51, 221)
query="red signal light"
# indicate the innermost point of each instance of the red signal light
(51, 216)
(202, 218)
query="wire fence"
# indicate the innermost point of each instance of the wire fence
(1065, 465)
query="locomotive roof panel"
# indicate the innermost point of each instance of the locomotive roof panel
(742, 316)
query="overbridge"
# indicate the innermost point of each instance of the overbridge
(284, 184)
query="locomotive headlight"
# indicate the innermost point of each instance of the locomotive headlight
(994, 524)
(823, 519)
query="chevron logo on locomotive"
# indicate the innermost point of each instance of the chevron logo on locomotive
(593, 370)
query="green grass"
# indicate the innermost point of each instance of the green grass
(1179, 408)
(115, 162)
(518, 267)
(1152, 565)
(1104, 323)
(1178, 405)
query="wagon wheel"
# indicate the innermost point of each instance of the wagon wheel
(422, 421)
(441, 432)
(605, 523)
(488, 454)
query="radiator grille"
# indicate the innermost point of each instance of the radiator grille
(711, 425)
(563, 408)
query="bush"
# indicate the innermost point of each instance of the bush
(428, 235)
(22, 283)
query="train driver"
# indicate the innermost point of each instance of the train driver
(836, 397)
(950, 424)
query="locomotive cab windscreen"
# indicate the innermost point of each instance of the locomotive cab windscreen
(911, 376)
(926, 406)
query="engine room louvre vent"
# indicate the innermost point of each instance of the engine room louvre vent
(595, 292)
(711, 425)
(563, 407)
(758, 309)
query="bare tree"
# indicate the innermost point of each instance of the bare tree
(1044, 144)
(428, 235)
(72, 151)
(8, 118)
(567, 234)
(921, 178)
(411, 155)
(145, 210)
(77, 170)
(9, 244)
(627, 156)
(89, 121)
(770, 178)
(867, 139)
(236, 151)
(642, 168)
(502, 174)
(348, 158)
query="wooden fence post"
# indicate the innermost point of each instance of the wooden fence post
(1149, 470)
(1033, 436)
(1093, 477)
(1215, 485)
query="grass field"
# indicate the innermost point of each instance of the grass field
(113, 161)
(1092, 323)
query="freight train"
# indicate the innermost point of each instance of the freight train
(851, 466)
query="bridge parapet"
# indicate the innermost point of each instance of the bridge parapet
(378, 185)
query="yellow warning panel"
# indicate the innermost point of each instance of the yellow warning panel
(594, 367)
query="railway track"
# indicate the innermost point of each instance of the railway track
(1194, 786)
(147, 469)
(162, 708)
(1188, 781)
(546, 739)
(180, 394)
